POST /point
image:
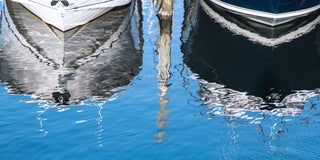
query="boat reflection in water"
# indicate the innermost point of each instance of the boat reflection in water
(67, 68)
(237, 75)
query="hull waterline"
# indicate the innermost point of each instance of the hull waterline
(266, 17)
(260, 33)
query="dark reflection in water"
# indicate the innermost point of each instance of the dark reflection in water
(247, 71)
(88, 62)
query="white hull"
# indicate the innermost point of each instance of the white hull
(65, 18)
(270, 19)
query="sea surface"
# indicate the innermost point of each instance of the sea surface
(204, 84)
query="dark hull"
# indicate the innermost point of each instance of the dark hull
(274, 6)
(218, 56)
(260, 33)
(268, 12)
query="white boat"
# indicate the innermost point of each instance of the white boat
(268, 12)
(85, 63)
(78, 12)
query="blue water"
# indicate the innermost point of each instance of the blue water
(174, 104)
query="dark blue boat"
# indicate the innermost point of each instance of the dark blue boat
(274, 6)
(237, 74)
(260, 33)
(269, 12)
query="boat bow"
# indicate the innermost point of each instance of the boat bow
(269, 12)
(77, 13)
(88, 62)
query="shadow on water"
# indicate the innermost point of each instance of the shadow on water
(242, 65)
(67, 68)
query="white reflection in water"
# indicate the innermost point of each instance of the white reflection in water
(86, 66)
(67, 68)
(241, 110)
(226, 101)
(100, 129)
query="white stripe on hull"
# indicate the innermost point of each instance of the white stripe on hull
(255, 37)
(270, 19)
